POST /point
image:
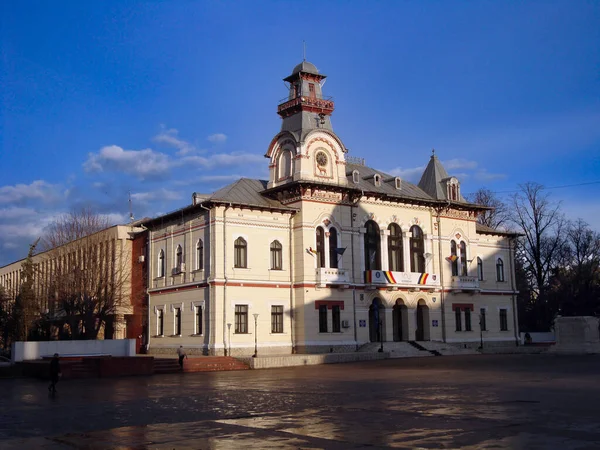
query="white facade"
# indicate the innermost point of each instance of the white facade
(326, 255)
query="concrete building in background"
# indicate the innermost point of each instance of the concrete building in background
(327, 255)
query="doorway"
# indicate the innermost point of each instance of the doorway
(400, 321)
(376, 320)
(422, 333)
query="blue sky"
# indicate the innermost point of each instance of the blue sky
(163, 99)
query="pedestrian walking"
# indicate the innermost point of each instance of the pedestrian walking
(182, 356)
(55, 373)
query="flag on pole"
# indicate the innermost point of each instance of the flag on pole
(452, 258)
(310, 251)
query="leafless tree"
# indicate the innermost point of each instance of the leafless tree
(542, 225)
(86, 273)
(497, 216)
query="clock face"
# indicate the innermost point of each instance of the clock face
(321, 159)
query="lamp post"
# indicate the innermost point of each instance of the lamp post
(229, 340)
(255, 335)
(380, 336)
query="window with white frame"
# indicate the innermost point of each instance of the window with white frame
(467, 319)
(333, 248)
(160, 269)
(453, 258)
(479, 268)
(499, 270)
(463, 259)
(503, 313)
(336, 319)
(322, 318)
(395, 251)
(179, 258)
(458, 319)
(417, 250)
(285, 164)
(277, 319)
(372, 246)
(198, 319)
(276, 255)
(241, 319)
(160, 322)
(240, 257)
(177, 321)
(320, 236)
(199, 255)
(355, 177)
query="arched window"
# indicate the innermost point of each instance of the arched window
(161, 264)
(333, 248)
(499, 270)
(199, 255)
(355, 177)
(453, 258)
(179, 258)
(417, 248)
(240, 257)
(398, 183)
(372, 246)
(396, 262)
(479, 269)
(276, 255)
(320, 247)
(377, 180)
(463, 259)
(285, 164)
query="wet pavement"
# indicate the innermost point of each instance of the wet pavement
(470, 402)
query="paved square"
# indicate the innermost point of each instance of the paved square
(471, 402)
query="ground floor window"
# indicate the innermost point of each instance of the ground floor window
(198, 321)
(241, 318)
(177, 328)
(160, 322)
(277, 319)
(503, 320)
(467, 319)
(336, 319)
(323, 319)
(458, 319)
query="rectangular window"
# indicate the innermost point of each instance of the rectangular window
(177, 330)
(198, 317)
(241, 318)
(482, 322)
(311, 90)
(458, 319)
(503, 320)
(467, 319)
(323, 319)
(160, 323)
(276, 319)
(336, 319)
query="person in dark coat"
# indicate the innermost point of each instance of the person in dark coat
(54, 373)
(182, 356)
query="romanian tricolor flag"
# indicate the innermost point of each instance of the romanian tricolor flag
(423, 278)
(310, 251)
(368, 276)
(452, 258)
(389, 277)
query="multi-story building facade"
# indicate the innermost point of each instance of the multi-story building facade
(326, 255)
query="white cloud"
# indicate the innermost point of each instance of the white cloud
(140, 163)
(484, 175)
(170, 137)
(411, 174)
(158, 195)
(222, 159)
(217, 137)
(37, 190)
(453, 164)
(12, 213)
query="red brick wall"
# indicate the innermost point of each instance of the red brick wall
(136, 323)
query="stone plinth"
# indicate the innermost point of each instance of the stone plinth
(576, 335)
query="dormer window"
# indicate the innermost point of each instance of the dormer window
(398, 183)
(355, 177)
(377, 180)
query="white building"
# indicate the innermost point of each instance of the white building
(326, 255)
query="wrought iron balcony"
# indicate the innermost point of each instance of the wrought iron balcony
(314, 103)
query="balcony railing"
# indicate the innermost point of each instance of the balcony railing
(463, 282)
(402, 279)
(333, 276)
(314, 101)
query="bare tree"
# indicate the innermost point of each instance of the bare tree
(72, 226)
(495, 217)
(90, 272)
(26, 310)
(541, 224)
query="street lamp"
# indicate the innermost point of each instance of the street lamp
(229, 340)
(255, 335)
(380, 336)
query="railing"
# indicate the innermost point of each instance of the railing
(328, 275)
(355, 160)
(318, 102)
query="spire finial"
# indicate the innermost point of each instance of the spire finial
(303, 50)
(433, 152)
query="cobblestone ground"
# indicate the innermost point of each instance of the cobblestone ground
(470, 402)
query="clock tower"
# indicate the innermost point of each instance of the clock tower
(306, 148)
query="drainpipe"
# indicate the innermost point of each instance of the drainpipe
(209, 272)
(292, 294)
(511, 242)
(442, 299)
(353, 277)
(226, 279)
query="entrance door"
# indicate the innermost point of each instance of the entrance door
(375, 320)
(422, 333)
(400, 321)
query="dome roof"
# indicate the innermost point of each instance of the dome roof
(305, 66)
